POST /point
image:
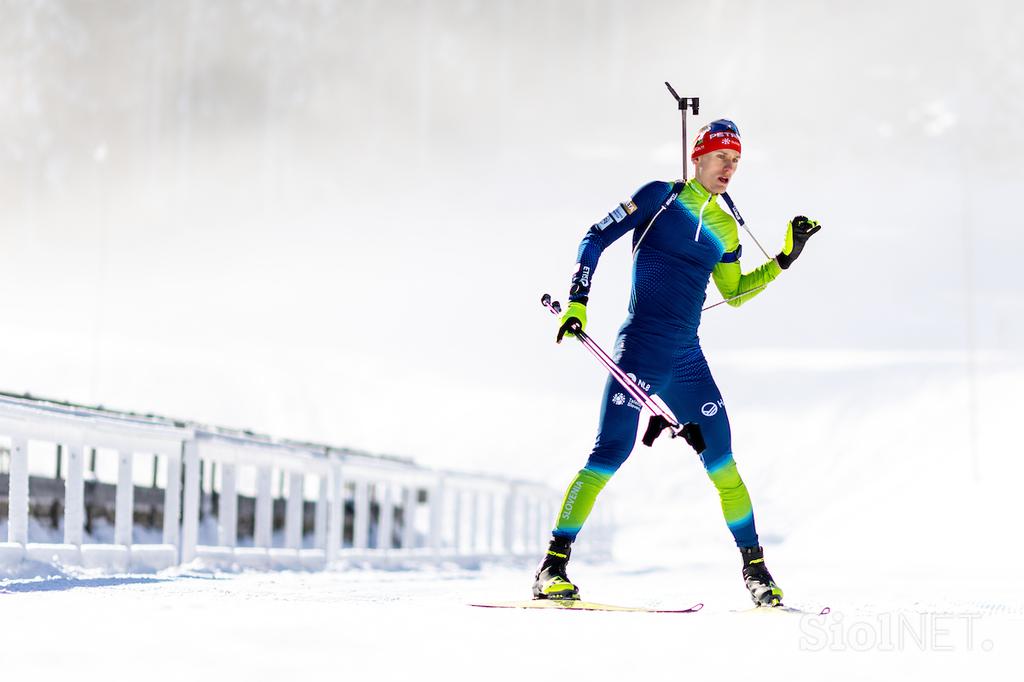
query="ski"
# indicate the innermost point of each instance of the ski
(579, 605)
(783, 608)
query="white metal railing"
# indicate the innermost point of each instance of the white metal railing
(465, 516)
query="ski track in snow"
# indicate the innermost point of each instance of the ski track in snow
(398, 624)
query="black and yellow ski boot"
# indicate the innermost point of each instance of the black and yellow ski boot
(763, 589)
(550, 581)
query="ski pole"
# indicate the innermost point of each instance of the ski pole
(662, 418)
(684, 103)
(633, 389)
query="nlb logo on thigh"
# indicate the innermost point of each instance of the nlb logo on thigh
(710, 409)
(639, 382)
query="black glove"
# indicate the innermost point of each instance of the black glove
(798, 232)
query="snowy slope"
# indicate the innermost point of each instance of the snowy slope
(879, 518)
(392, 626)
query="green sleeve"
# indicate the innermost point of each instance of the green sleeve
(731, 281)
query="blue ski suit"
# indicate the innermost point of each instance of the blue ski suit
(681, 238)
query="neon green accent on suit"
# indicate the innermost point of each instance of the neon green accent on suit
(729, 277)
(579, 501)
(732, 491)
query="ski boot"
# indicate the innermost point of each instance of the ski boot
(763, 589)
(550, 581)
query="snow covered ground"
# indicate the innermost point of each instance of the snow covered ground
(363, 624)
(875, 508)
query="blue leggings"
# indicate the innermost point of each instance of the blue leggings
(681, 378)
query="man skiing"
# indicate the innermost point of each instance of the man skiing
(681, 238)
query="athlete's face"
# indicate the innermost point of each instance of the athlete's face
(715, 170)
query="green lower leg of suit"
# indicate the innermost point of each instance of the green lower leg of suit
(736, 506)
(579, 501)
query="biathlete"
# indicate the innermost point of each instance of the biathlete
(681, 238)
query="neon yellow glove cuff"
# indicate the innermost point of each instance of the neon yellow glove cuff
(577, 310)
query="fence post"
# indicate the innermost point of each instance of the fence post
(294, 511)
(386, 517)
(227, 510)
(335, 513)
(436, 501)
(474, 522)
(457, 538)
(492, 526)
(361, 516)
(409, 502)
(320, 517)
(17, 496)
(264, 522)
(74, 496)
(124, 509)
(190, 514)
(172, 498)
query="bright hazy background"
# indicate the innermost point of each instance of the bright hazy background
(334, 220)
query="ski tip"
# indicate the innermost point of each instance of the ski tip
(693, 609)
(825, 611)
